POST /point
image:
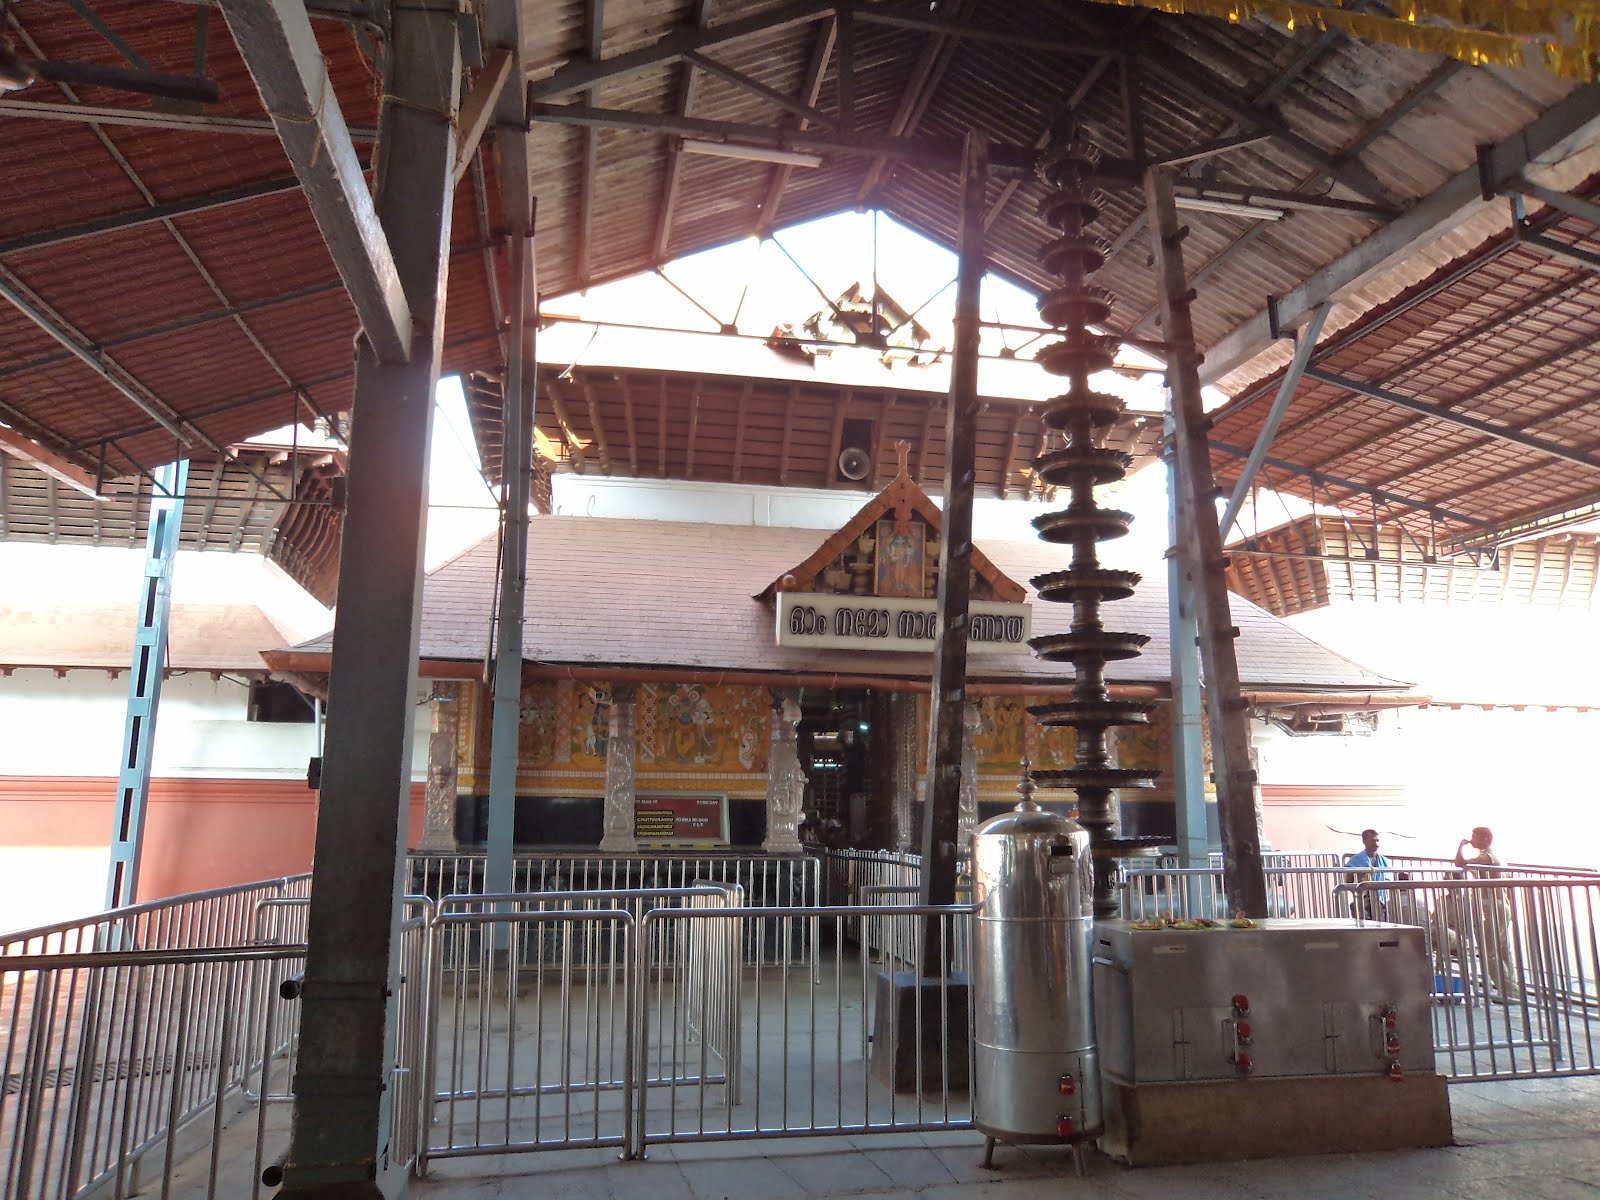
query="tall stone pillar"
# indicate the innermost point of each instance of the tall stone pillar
(439, 806)
(971, 722)
(905, 769)
(621, 754)
(786, 782)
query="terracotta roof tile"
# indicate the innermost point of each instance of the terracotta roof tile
(608, 591)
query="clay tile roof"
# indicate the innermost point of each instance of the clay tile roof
(631, 593)
(201, 637)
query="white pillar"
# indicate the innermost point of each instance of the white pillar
(786, 782)
(971, 722)
(439, 807)
(620, 757)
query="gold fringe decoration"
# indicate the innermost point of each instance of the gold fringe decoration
(1562, 37)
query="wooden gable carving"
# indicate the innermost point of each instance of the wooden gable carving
(890, 548)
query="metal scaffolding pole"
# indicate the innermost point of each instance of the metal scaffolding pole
(941, 823)
(516, 477)
(1188, 734)
(1203, 564)
(144, 682)
(342, 1136)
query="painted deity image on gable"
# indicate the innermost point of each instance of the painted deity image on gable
(899, 556)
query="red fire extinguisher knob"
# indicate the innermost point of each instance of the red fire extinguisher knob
(1067, 1086)
(1241, 1003)
(1064, 1127)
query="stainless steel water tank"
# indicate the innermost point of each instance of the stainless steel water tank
(1038, 1075)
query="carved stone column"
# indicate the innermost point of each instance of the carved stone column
(905, 769)
(971, 722)
(620, 751)
(786, 781)
(439, 805)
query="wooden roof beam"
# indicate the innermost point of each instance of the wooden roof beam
(932, 63)
(788, 434)
(810, 92)
(575, 451)
(669, 187)
(580, 76)
(661, 429)
(694, 429)
(588, 166)
(738, 434)
(52, 464)
(629, 424)
(600, 447)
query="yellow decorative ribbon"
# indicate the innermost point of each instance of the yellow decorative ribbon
(1563, 37)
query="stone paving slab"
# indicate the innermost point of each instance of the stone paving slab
(1523, 1140)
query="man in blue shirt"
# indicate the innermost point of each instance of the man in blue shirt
(1366, 864)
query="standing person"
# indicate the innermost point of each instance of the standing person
(1366, 863)
(1490, 909)
(1480, 841)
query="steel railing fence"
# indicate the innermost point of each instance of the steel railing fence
(624, 1016)
(110, 1057)
(766, 879)
(219, 917)
(529, 1051)
(1516, 967)
(815, 1057)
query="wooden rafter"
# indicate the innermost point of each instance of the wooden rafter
(934, 60)
(687, 86)
(575, 451)
(211, 504)
(738, 434)
(1011, 453)
(788, 432)
(928, 419)
(810, 92)
(694, 429)
(630, 426)
(841, 404)
(47, 460)
(593, 35)
(661, 429)
(1566, 572)
(238, 530)
(880, 430)
(601, 449)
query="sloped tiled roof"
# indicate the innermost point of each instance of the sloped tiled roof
(591, 604)
(201, 637)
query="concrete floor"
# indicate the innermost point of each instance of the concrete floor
(1515, 1140)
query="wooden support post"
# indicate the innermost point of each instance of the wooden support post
(941, 824)
(1204, 567)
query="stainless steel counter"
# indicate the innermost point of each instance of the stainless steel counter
(1290, 998)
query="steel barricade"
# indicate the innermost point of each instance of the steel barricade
(1516, 970)
(509, 1032)
(118, 1057)
(805, 1040)
(219, 917)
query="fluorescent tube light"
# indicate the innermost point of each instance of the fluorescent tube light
(765, 154)
(1232, 208)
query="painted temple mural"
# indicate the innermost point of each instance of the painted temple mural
(685, 733)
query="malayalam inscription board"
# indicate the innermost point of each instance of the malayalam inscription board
(832, 622)
(677, 819)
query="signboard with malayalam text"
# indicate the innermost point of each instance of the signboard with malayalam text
(832, 622)
(680, 819)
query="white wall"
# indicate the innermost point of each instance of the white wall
(1529, 775)
(73, 726)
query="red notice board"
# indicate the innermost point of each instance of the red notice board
(680, 819)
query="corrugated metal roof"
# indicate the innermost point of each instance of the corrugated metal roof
(273, 331)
